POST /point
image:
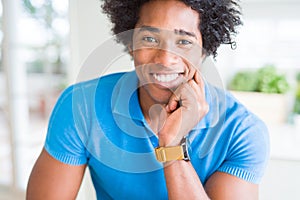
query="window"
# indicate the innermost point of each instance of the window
(43, 49)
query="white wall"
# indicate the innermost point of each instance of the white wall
(281, 181)
(89, 29)
(270, 35)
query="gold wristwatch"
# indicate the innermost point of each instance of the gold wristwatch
(165, 154)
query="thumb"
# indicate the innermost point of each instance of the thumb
(173, 103)
(157, 116)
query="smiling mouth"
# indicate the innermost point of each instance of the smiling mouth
(165, 78)
(168, 80)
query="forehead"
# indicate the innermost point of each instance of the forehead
(170, 15)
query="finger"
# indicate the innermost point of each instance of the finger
(200, 100)
(174, 101)
(157, 117)
(200, 82)
(197, 83)
(197, 77)
(189, 94)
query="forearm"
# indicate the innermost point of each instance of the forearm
(183, 182)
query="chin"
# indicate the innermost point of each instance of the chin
(160, 96)
(155, 93)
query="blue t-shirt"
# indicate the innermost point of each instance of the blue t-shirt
(100, 123)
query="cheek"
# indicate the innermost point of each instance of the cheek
(139, 75)
(191, 71)
(142, 72)
(194, 56)
(138, 64)
(141, 57)
(192, 62)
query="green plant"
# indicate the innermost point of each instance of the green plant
(297, 107)
(297, 97)
(244, 81)
(265, 79)
(269, 81)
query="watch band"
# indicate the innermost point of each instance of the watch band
(165, 154)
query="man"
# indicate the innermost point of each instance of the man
(160, 132)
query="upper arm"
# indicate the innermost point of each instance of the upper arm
(245, 163)
(225, 186)
(52, 179)
(247, 153)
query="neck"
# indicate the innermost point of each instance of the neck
(146, 102)
(151, 109)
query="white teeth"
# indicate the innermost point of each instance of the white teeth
(165, 77)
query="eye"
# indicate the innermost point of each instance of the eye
(150, 39)
(184, 42)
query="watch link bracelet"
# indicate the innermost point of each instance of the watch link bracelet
(165, 154)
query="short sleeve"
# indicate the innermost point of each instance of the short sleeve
(249, 150)
(62, 140)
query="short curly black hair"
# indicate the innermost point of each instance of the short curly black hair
(218, 20)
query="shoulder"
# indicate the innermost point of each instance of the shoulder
(232, 108)
(246, 138)
(87, 87)
(249, 135)
(236, 119)
(241, 114)
(80, 95)
(106, 80)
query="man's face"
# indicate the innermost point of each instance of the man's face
(167, 46)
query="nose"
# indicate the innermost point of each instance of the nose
(165, 57)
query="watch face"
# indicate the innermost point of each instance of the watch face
(185, 152)
(184, 144)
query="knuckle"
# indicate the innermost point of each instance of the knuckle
(203, 108)
(206, 108)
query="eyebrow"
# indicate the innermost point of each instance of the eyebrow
(176, 31)
(149, 28)
(183, 32)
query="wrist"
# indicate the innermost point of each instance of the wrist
(171, 153)
(164, 143)
(168, 140)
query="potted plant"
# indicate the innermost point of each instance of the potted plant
(263, 92)
(297, 102)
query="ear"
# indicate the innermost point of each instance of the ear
(203, 56)
(130, 49)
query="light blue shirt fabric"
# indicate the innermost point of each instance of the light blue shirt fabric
(100, 123)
